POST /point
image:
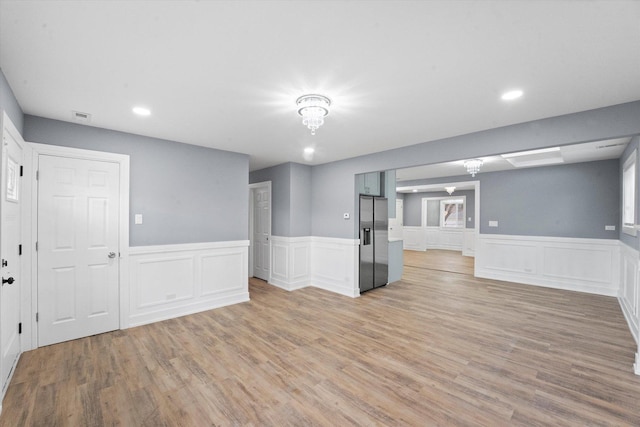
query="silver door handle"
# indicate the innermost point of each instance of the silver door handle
(112, 255)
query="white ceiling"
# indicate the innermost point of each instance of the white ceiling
(575, 153)
(226, 74)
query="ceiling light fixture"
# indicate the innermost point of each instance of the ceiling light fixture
(473, 166)
(141, 111)
(512, 94)
(450, 190)
(313, 109)
(308, 153)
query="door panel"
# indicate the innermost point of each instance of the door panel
(262, 232)
(78, 269)
(10, 238)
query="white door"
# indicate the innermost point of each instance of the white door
(78, 260)
(10, 226)
(261, 232)
(400, 212)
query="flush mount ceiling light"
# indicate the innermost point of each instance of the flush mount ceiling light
(308, 153)
(450, 190)
(512, 94)
(141, 111)
(473, 166)
(313, 109)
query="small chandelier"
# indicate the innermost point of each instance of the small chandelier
(450, 190)
(473, 166)
(313, 109)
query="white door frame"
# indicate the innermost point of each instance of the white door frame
(252, 187)
(123, 232)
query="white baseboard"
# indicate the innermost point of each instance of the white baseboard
(584, 265)
(175, 280)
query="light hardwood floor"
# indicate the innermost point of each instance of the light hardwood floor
(437, 259)
(436, 348)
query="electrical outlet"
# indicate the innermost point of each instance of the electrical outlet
(493, 223)
(346, 215)
(610, 228)
(138, 219)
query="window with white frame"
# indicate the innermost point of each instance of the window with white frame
(452, 213)
(629, 192)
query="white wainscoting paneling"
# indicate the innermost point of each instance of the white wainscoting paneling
(175, 280)
(469, 242)
(585, 265)
(629, 283)
(334, 265)
(441, 238)
(290, 262)
(414, 238)
(425, 238)
(321, 262)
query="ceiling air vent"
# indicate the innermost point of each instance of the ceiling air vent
(81, 117)
(620, 144)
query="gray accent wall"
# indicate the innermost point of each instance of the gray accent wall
(291, 198)
(575, 200)
(186, 193)
(333, 184)
(9, 103)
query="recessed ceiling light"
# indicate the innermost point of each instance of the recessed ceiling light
(141, 111)
(309, 150)
(512, 94)
(415, 190)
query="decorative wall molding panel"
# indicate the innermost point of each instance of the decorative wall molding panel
(322, 262)
(175, 280)
(440, 238)
(290, 262)
(414, 238)
(425, 238)
(469, 242)
(584, 265)
(629, 293)
(335, 264)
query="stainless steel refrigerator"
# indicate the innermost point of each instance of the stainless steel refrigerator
(374, 242)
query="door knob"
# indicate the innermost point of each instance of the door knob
(9, 280)
(112, 255)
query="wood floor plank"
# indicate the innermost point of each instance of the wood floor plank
(438, 348)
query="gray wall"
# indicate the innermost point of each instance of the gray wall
(300, 200)
(413, 206)
(575, 200)
(291, 198)
(333, 184)
(9, 103)
(627, 239)
(280, 177)
(186, 193)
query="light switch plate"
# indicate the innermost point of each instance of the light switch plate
(138, 219)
